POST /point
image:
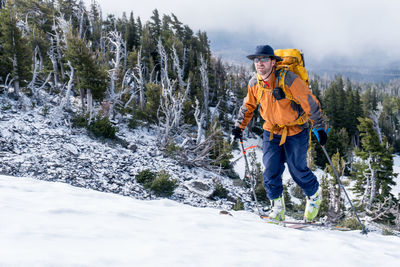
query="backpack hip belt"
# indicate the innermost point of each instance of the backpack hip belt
(299, 121)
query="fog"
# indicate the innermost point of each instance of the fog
(365, 31)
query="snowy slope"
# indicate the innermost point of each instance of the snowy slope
(55, 224)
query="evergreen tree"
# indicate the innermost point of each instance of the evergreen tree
(91, 76)
(178, 28)
(95, 33)
(155, 25)
(69, 10)
(374, 174)
(14, 49)
(334, 103)
(132, 37)
(139, 26)
(315, 88)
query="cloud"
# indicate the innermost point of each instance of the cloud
(346, 28)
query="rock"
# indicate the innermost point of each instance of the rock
(200, 188)
(71, 149)
(132, 147)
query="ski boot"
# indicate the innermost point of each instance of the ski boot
(312, 207)
(278, 209)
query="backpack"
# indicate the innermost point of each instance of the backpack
(293, 60)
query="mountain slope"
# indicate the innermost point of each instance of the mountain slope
(55, 224)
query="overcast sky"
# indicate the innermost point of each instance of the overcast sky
(350, 28)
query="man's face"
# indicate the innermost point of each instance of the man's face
(263, 65)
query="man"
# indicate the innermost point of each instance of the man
(286, 129)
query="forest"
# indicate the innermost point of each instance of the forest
(161, 73)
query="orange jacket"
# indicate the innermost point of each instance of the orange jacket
(284, 111)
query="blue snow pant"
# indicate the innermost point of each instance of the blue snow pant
(294, 152)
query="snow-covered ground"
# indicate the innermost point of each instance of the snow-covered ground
(55, 224)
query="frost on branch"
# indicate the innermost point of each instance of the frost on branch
(171, 102)
(118, 49)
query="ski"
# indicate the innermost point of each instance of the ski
(295, 224)
(303, 224)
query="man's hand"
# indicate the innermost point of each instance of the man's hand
(321, 135)
(237, 133)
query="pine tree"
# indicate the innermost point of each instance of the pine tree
(132, 37)
(90, 75)
(95, 33)
(374, 174)
(14, 51)
(315, 88)
(155, 25)
(68, 8)
(178, 28)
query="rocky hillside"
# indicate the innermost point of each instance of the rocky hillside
(32, 145)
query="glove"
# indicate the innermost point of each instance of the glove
(321, 135)
(237, 133)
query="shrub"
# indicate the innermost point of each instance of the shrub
(6, 107)
(80, 121)
(350, 223)
(261, 193)
(153, 95)
(220, 191)
(133, 123)
(102, 127)
(387, 231)
(239, 205)
(171, 149)
(145, 178)
(162, 186)
(46, 110)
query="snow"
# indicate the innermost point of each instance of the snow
(55, 224)
(396, 169)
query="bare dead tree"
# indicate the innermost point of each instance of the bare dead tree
(69, 86)
(53, 57)
(198, 155)
(8, 84)
(61, 28)
(199, 117)
(118, 49)
(374, 116)
(36, 66)
(81, 12)
(372, 178)
(206, 88)
(380, 210)
(202, 112)
(177, 67)
(136, 83)
(171, 102)
(140, 79)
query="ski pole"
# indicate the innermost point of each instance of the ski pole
(250, 176)
(364, 230)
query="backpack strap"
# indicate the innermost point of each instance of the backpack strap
(302, 119)
(261, 87)
(281, 74)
